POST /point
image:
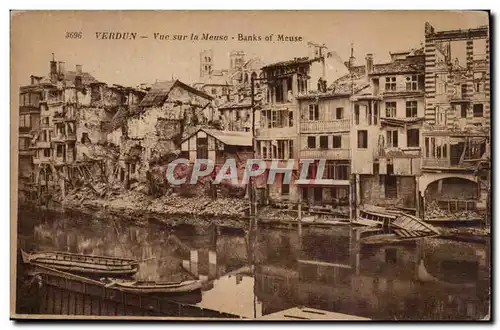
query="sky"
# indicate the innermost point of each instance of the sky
(35, 35)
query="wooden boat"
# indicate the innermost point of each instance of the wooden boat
(403, 225)
(80, 263)
(147, 287)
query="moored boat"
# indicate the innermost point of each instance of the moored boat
(80, 263)
(147, 287)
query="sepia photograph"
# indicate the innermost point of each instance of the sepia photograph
(251, 165)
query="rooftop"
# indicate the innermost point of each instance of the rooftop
(243, 139)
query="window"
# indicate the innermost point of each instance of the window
(311, 142)
(411, 109)
(391, 186)
(463, 110)
(362, 139)
(392, 139)
(285, 189)
(313, 112)
(59, 150)
(323, 142)
(390, 109)
(478, 110)
(413, 137)
(411, 82)
(390, 83)
(22, 144)
(339, 113)
(337, 141)
(463, 89)
(25, 121)
(369, 113)
(356, 114)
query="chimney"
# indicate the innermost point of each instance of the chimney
(369, 63)
(78, 69)
(53, 70)
(61, 67)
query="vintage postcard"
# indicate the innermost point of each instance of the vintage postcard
(251, 165)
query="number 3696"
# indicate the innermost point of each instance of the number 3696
(74, 35)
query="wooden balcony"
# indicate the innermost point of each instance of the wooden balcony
(330, 154)
(446, 164)
(324, 126)
(277, 132)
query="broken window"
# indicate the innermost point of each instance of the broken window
(313, 112)
(323, 142)
(392, 139)
(390, 83)
(85, 138)
(391, 186)
(362, 139)
(479, 78)
(311, 142)
(339, 113)
(413, 137)
(356, 114)
(411, 109)
(390, 109)
(478, 110)
(411, 82)
(337, 142)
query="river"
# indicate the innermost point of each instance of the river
(270, 270)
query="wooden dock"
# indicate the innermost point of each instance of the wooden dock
(68, 294)
(303, 314)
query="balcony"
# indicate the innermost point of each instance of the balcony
(323, 126)
(41, 145)
(29, 109)
(391, 153)
(330, 154)
(276, 132)
(70, 137)
(446, 164)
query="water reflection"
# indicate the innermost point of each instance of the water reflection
(267, 270)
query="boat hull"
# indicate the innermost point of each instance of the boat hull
(83, 264)
(183, 287)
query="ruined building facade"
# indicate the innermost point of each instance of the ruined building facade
(457, 130)
(70, 113)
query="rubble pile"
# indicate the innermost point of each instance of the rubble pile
(272, 213)
(199, 206)
(433, 211)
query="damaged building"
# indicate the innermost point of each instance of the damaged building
(151, 133)
(278, 133)
(387, 119)
(457, 130)
(69, 144)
